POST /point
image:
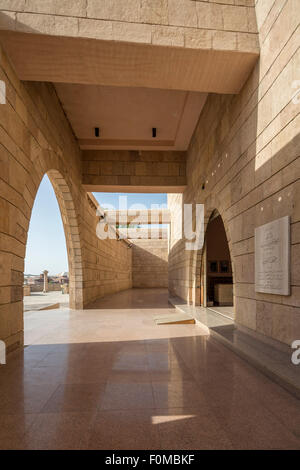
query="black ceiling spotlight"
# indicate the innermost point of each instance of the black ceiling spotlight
(153, 132)
(203, 186)
(97, 132)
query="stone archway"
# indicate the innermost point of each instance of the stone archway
(216, 265)
(70, 213)
(71, 229)
(15, 217)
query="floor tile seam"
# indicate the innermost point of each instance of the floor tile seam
(282, 422)
(50, 397)
(89, 431)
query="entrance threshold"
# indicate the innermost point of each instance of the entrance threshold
(273, 362)
(227, 312)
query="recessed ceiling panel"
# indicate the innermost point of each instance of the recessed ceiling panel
(126, 116)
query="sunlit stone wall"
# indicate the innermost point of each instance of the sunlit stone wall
(245, 150)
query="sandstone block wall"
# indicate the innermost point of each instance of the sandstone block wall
(178, 271)
(40, 288)
(182, 23)
(35, 138)
(246, 151)
(150, 263)
(108, 263)
(132, 169)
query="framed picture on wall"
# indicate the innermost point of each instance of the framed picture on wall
(213, 266)
(224, 266)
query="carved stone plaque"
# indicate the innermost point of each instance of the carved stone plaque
(272, 257)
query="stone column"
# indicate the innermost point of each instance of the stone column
(45, 281)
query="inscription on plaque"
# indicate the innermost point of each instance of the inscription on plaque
(272, 257)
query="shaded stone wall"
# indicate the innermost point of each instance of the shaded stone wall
(125, 170)
(150, 263)
(35, 139)
(245, 151)
(214, 44)
(180, 23)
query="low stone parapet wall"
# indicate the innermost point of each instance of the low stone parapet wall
(40, 288)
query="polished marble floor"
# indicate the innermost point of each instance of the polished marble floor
(109, 378)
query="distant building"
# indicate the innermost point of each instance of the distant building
(36, 280)
(32, 279)
(63, 277)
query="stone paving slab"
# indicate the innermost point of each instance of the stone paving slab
(41, 301)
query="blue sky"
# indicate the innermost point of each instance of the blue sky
(46, 244)
(136, 198)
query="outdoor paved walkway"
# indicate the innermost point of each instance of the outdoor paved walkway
(109, 378)
(40, 300)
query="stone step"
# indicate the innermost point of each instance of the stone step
(174, 318)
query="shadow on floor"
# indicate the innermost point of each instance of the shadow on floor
(133, 299)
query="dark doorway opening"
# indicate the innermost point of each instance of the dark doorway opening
(217, 285)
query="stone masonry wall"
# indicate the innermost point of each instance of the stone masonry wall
(150, 263)
(35, 138)
(245, 151)
(108, 263)
(108, 169)
(182, 23)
